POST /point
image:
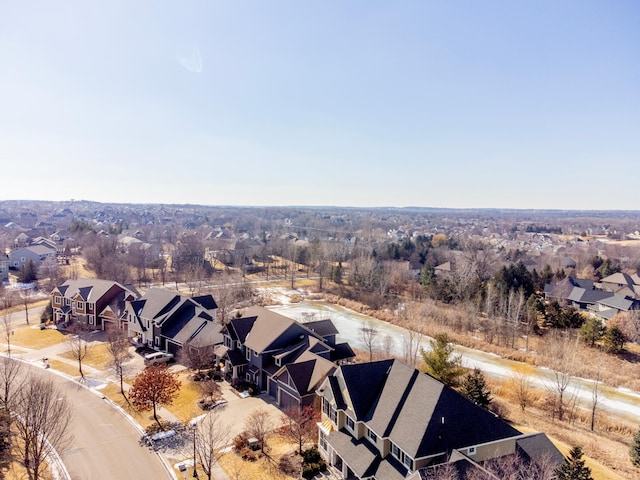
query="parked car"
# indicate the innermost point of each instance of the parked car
(157, 357)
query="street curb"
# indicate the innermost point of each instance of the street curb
(111, 403)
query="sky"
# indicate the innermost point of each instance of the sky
(460, 104)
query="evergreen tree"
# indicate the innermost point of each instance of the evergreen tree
(574, 468)
(441, 362)
(28, 273)
(474, 387)
(634, 451)
(614, 340)
(592, 331)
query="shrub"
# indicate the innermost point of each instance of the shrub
(290, 465)
(240, 441)
(247, 454)
(312, 463)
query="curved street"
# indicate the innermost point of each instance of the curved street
(105, 444)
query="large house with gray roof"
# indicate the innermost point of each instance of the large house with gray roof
(282, 357)
(386, 420)
(613, 294)
(164, 320)
(37, 254)
(97, 303)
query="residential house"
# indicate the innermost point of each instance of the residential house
(165, 320)
(597, 299)
(22, 240)
(608, 307)
(4, 267)
(534, 452)
(561, 290)
(98, 303)
(621, 284)
(19, 257)
(282, 357)
(386, 420)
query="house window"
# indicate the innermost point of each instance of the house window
(372, 436)
(22, 259)
(351, 424)
(329, 411)
(91, 320)
(278, 361)
(395, 451)
(323, 441)
(248, 354)
(67, 301)
(471, 451)
(56, 300)
(157, 341)
(407, 461)
(80, 305)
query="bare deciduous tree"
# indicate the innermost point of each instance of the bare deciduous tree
(441, 472)
(43, 424)
(521, 387)
(561, 349)
(300, 425)
(211, 435)
(118, 348)
(369, 335)
(595, 391)
(258, 424)
(10, 382)
(79, 345)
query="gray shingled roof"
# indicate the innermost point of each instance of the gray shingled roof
(537, 446)
(581, 295)
(618, 302)
(323, 328)
(414, 410)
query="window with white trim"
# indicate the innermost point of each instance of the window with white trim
(323, 441)
(395, 451)
(372, 436)
(56, 300)
(248, 354)
(157, 341)
(350, 423)
(80, 305)
(471, 450)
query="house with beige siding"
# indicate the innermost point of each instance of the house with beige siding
(386, 420)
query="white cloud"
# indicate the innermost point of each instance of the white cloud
(192, 61)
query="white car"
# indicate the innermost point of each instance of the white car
(157, 357)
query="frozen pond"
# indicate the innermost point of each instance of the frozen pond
(621, 403)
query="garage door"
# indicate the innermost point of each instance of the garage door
(287, 400)
(273, 388)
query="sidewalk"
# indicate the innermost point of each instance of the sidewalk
(96, 378)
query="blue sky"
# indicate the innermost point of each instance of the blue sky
(354, 103)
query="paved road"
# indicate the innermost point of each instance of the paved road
(105, 445)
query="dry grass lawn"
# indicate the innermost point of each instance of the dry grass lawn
(33, 337)
(20, 308)
(185, 406)
(64, 367)
(98, 356)
(112, 392)
(263, 468)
